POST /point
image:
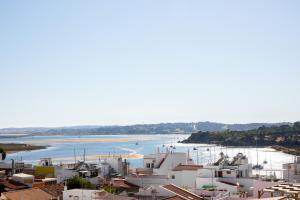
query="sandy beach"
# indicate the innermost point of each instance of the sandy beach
(92, 140)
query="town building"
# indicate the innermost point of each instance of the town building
(291, 171)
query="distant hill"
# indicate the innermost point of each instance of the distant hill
(162, 128)
(284, 137)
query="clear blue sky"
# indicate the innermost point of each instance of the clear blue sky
(124, 62)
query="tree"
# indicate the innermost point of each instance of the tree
(2, 188)
(79, 182)
(3, 153)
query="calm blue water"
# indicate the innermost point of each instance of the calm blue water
(204, 153)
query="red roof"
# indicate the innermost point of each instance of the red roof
(122, 183)
(28, 194)
(13, 185)
(184, 194)
(181, 167)
(55, 190)
(174, 198)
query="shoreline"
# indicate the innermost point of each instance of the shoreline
(288, 150)
(10, 148)
(90, 140)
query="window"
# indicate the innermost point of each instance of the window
(148, 165)
(152, 165)
(173, 176)
(228, 172)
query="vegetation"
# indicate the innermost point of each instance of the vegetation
(78, 182)
(19, 147)
(162, 128)
(111, 189)
(2, 188)
(284, 137)
(3, 153)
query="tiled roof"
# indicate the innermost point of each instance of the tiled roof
(122, 183)
(174, 198)
(55, 190)
(28, 194)
(184, 194)
(13, 185)
(181, 167)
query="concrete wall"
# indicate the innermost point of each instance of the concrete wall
(185, 179)
(63, 174)
(170, 162)
(200, 182)
(79, 194)
(259, 185)
(149, 181)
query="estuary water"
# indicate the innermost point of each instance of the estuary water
(68, 148)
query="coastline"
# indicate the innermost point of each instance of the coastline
(288, 150)
(10, 148)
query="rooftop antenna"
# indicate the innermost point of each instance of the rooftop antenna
(214, 154)
(197, 157)
(84, 155)
(75, 159)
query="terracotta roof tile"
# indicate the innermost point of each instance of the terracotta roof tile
(13, 185)
(122, 183)
(28, 194)
(174, 198)
(55, 190)
(187, 195)
(181, 167)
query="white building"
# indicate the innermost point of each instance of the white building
(26, 179)
(291, 171)
(163, 169)
(80, 194)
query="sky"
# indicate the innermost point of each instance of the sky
(72, 62)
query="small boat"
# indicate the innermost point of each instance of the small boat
(257, 167)
(265, 162)
(195, 148)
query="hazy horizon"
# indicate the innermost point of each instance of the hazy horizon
(68, 63)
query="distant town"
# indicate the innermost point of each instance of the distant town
(165, 174)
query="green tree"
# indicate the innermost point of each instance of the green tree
(2, 188)
(3, 153)
(79, 182)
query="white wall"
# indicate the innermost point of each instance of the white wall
(185, 179)
(291, 172)
(78, 194)
(170, 162)
(200, 182)
(149, 181)
(63, 174)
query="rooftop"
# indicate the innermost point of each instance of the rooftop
(13, 185)
(28, 194)
(54, 190)
(174, 198)
(182, 193)
(122, 183)
(22, 175)
(181, 167)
